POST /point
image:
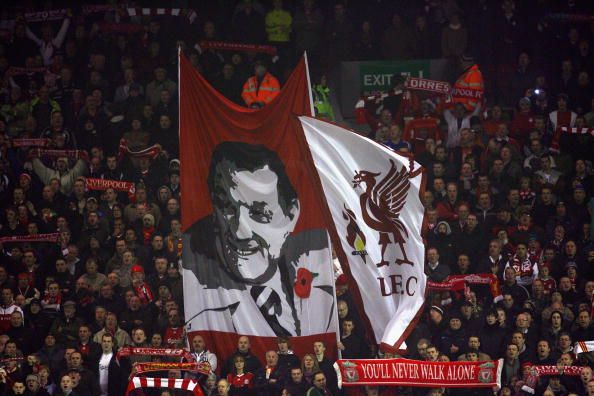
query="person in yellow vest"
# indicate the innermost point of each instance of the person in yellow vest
(321, 99)
(469, 88)
(261, 88)
(278, 24)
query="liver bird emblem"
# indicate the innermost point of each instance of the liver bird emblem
(381, 204)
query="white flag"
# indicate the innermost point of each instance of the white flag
(373, 196)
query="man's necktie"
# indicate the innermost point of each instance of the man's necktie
(269, 304)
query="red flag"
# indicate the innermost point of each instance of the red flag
(252, 220)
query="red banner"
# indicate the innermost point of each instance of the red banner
(240, 166)
(225, 46)
(53, 237)
(41, 142)
(416, 373)
(104, 184)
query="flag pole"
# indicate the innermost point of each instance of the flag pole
(313, 114)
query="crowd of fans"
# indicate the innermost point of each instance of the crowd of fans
(507, 193)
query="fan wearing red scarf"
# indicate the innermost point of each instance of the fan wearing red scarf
(141, 288)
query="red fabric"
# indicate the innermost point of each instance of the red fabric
(174, 336)
(241, 381)
(203, 108)
(416, 373)
(144, 293)
(206, 120)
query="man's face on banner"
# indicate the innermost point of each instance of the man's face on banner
(252, 223)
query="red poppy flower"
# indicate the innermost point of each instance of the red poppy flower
(303, 282)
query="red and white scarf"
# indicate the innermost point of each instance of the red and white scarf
(226, 46)
(554, 370)
(578, 131)
(30, 142)
(460, 282)
(53, 153)
(138, 11)
(53, 237)
(171, 352)
(583, 347)
(48, 15)
(150, 152)
(18, 71)
(202, 367)
(104, 184)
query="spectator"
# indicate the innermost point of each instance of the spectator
(240, 381)
(270, 379)
(296, 385)
(435, 270)
(260, 89)
(161, 82)
(201, 354)
(352, 345)
(111, 381)
(319, 385)
(119, 336)
(243, 349)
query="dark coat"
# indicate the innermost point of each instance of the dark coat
(117, 382)
(264, 387)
